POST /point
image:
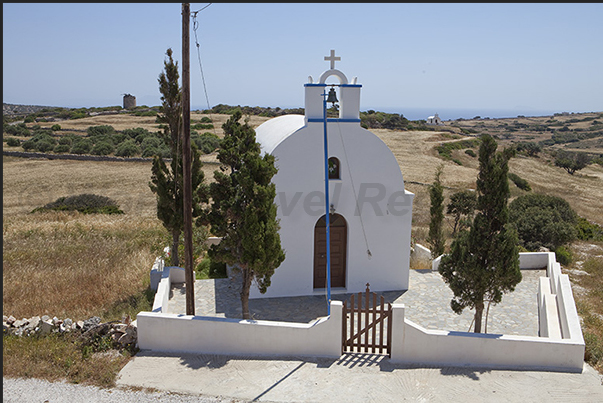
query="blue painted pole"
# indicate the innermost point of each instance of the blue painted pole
(324, 111)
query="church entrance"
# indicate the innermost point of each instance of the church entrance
(339, 247)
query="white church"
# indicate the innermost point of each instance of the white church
(435, 120)
(370, 211)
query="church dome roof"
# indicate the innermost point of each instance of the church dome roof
(274, 131)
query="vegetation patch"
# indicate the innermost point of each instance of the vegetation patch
(84, 203)
(209, 268)
(445, 149)
(589, 231)
(56, 357)
(543, 221)
(520, 182)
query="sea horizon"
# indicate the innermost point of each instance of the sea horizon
(420, 113)
(414, 113)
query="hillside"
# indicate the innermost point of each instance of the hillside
(416, 151)
(46, 241)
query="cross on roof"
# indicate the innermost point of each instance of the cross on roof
(332, 59)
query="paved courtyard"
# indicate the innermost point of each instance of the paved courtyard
(427, 303)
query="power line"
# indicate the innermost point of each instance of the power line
(198, 11)
(368, 249)
(195, 26)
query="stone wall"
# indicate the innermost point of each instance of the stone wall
(77, 157)
(124, 334)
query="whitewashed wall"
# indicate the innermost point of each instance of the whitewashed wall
(380, 222)
(412, 343)
(560, 346)
(211, 335)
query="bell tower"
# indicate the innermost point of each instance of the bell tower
(349, 95)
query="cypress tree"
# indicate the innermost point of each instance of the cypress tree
(243, 212)
(166, 182)
(483, 263)
(436, 233)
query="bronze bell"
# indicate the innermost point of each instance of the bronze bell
(332, 98)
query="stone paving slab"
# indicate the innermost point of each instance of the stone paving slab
(427, 303)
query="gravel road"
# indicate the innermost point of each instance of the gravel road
(41, 391)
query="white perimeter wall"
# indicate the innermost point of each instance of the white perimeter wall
(211, 335)
(560, 346)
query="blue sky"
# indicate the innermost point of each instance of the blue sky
(479, 57)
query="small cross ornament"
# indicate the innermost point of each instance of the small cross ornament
(332, 58)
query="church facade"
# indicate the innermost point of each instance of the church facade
(370, 210)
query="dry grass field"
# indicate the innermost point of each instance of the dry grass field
(127, 121)
(76, 265)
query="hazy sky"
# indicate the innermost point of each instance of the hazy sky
(517, 56)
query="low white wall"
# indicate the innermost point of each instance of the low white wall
(412, 343)
(535, 260)
(156, 272)
(560, 347)
(211, 335)
(169, 275)
(548, 314)
(421, 252)
(435, 263)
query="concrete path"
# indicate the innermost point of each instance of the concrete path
(427, 303)
(352, 378)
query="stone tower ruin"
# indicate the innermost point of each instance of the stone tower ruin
(129, 101)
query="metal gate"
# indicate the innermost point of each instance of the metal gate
(366, 324)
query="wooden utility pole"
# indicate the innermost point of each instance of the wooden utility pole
(186, 162)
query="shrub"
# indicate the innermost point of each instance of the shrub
(457, 161)
(203, 266)
(28, 119)
(17, 130)
(66, 140)
(127, 149)
(445, 149)
(118, 138)
(201, 126)
(61, 148)
(150, 152)
(100, 130)
(42, 135)
(520, 182)
(588, 231)
(28, 145)
(136, 132)
(13, 142)
(209, 268)
(44, 146)
(102, 148)
(217, 270)
(85, 203)
(81, 146)
(55, 128)
(206, 119)
(543, 221)
(106, 138)
(470, 153)
(563, 255)
(206, 142)
(150, 142)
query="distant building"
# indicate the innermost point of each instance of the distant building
(434, 120)
(129, 101)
